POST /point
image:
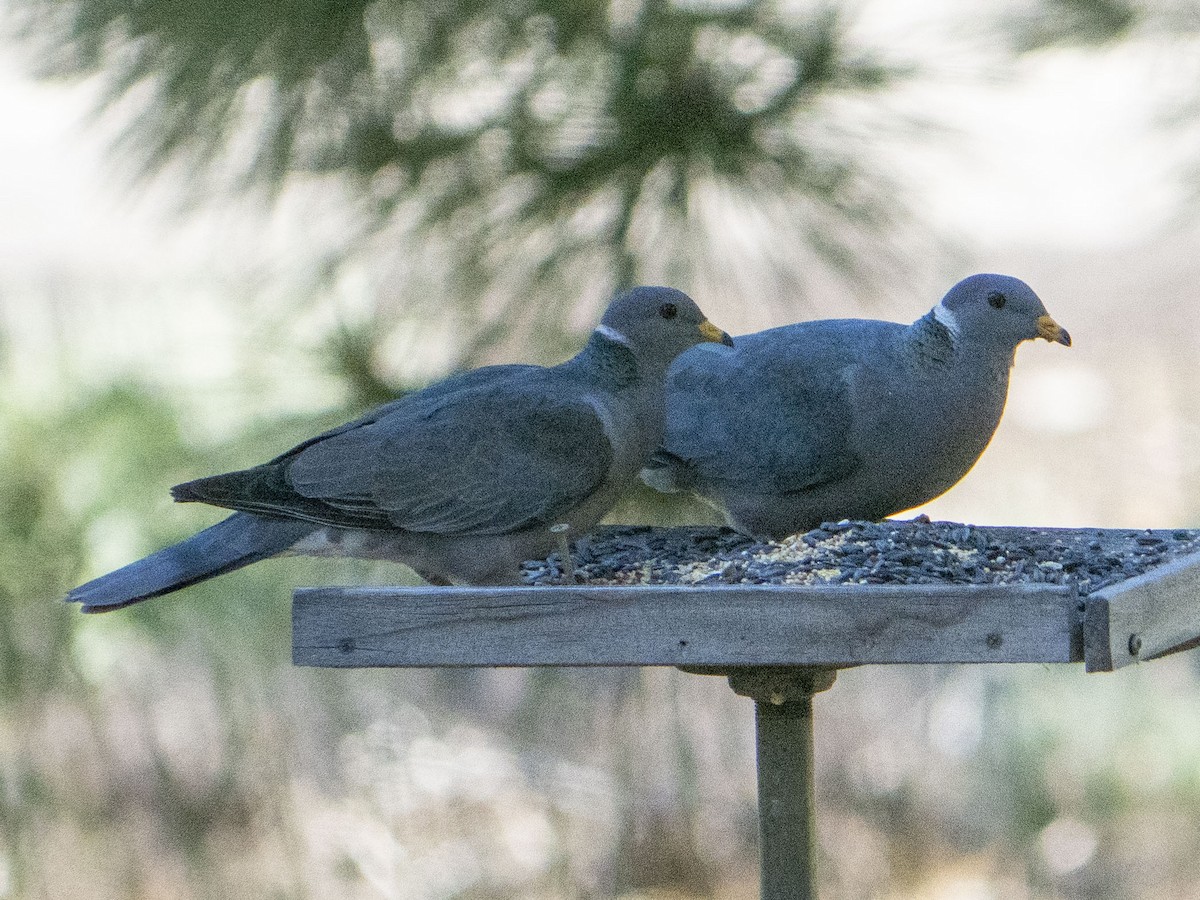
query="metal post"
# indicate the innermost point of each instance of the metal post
(785, 799)
(784, 743)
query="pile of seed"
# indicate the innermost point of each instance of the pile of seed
(917, 551)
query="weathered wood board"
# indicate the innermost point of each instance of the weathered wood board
(1144, 617)
(731, 625)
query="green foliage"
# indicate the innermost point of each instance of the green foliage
(1098, 750)
(92, 709)
(513, 155)
(507, 156)
(198, 58)
(1074, 23)
(98, 459)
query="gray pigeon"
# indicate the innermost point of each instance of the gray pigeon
(845, 418)
(462, 480)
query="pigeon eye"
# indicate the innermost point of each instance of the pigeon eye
(997, 300)
(668, 310)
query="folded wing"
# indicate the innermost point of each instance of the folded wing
(451, 462)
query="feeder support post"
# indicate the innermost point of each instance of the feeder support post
(784, 747)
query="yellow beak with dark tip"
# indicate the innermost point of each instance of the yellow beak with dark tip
(711, 332)
(1051, 331)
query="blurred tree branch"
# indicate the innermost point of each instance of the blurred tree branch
(1097, 23)
(1171, 27)
(1073, 22)
(547, 149)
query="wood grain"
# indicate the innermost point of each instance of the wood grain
(1144, 617)
(732, 625)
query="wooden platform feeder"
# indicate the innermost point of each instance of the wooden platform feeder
(778, 645)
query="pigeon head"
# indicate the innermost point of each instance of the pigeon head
(999, 310)
(658, 323)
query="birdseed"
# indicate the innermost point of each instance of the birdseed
(915, 551)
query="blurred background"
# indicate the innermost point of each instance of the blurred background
(226, 226)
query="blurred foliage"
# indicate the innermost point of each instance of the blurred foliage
(1101, 23)
(1073, 22)
(171, 750)
(520, 160)
(1021, 781)
(1171, 29)
(507, 156)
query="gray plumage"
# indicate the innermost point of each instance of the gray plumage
(845, 418)
(461, 480)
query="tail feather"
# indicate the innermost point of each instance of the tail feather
(241, 539)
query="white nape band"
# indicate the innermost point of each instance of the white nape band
(946, 318)
(613, 335)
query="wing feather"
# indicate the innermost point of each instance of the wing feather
(490, 451)
(483, 461)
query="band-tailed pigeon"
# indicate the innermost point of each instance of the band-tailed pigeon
(462, 480)
(845, 418)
